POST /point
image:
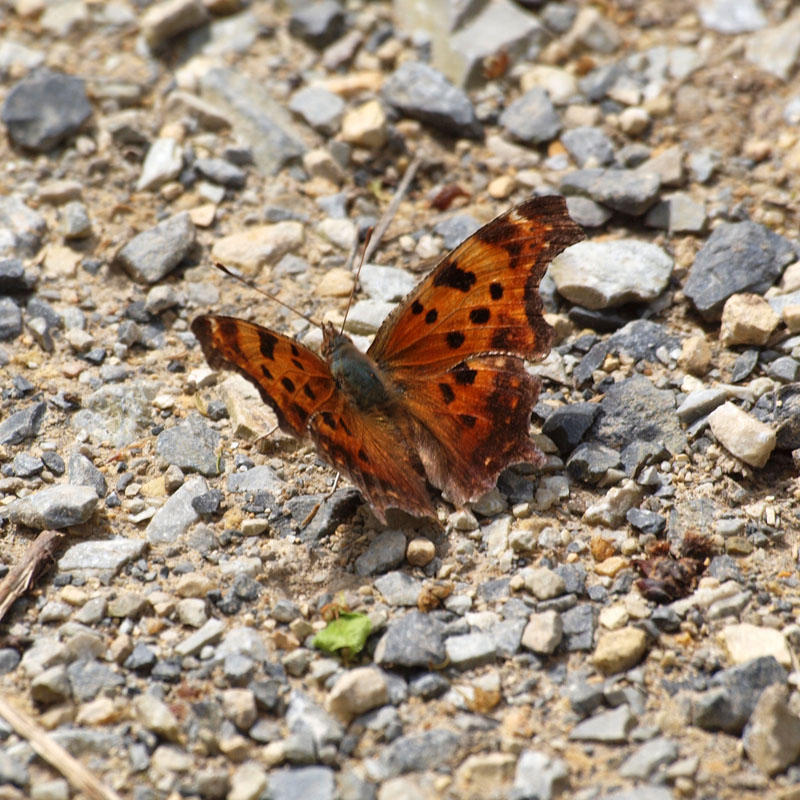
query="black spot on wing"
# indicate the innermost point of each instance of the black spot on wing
(267, 344)
(328, 419)
(455, 339)
(464, 375)
(297, 363)
(479, 316)
(362, 454)
(448, 395)
(467, 420)
(431, 316)
(450, 274)
(288, 384)
(309, 392)
(502, 339)
(417, 307)
(496, 290)
(266, 373)
(344, 427)
(295, 351)
(301, 413)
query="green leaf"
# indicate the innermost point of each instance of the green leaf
(349, 632)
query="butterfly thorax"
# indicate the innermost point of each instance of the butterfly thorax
(354, 372)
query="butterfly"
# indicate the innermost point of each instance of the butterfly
(441, 398)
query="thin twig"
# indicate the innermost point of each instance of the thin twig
(391, 209)
(20, 578)
(54, 754)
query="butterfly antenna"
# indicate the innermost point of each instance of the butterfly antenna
(367, 237)
(237, 276)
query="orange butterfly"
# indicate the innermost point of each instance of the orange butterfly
(441, 396)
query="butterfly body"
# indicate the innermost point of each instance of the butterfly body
(441, 398)
(354, 372)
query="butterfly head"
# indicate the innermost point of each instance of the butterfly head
(332, 340)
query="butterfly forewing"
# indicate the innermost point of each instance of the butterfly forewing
(482, 297)
(291, 379)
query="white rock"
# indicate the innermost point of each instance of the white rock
(742, 435)
(744, 641)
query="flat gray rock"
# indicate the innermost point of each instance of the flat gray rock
(423, 93)
(22, 425)
(599, 275)
(737, 257)
(413, 640)
(44, 108)
(178, 513)
(154, 253)
(414, 753)
(54, 507)
(102, 557)
(192, 446)
(610, 727)
(385, 551)
(290, 784)
(532, 118)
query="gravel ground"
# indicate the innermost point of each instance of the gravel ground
(622, 624)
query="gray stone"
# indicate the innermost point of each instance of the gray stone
(310, 782)
(470, 650)
(320, 108)
(104, 557)
(319, 23)
(588, 146)
(12, 772)
(54, 507)
(221, 172)
(567, 424)
(423, 93)
(389, 284)
(82, 472)
(737, 257)
(89, 678)
(260, 478)
(51, 685)
(732, 16)
(578, 624)
(730, 701)
(658, 752)
(456, 229)
(609, 727)
(781, 409)
(413, 640)
(14, 279)
(634, 409)
(163, 162)
(177, 514)
(154, 253)
(701, 402)
(208, 634)
(44, 109)
(75, 220)
(262, 122)
(677, 213)
(539, 776)
(531, 119)
(586, 212)
(306, 719)
(192, 446)
(398, 588)
(385, 551)
(591, 461)
(772, 737)
(414, 753)
(22, 425)
(10, 319)
(608, 274)
(21, 228)
(499, 26)
(646, 521)
(627, 190)
(784, 369)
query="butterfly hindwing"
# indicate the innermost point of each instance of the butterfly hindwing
(291, 379)
(374, 454)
